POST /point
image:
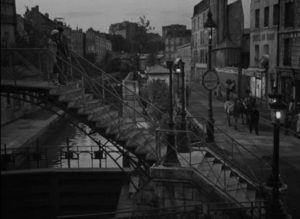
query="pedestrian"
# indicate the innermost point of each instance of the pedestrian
(63, 55)
(218, 92)
(52, 46)
(289, 116)
(254, 120)
(188, 94)
(227, 88)
(233, 87)
(298, 126)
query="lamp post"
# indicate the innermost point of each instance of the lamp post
(171, 156)
(275, 209)
(183, 147)
(210, 25)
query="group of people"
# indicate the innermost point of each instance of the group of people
(59, 56)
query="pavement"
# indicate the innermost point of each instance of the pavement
(261, 145)
(26, 130)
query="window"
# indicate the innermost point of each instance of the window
(287, 58)
(289, 14)
(257, 18)
(266, 17)
(275, 14)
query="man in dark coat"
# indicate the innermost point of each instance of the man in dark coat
(254, 120)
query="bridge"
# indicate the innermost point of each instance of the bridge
(206, 173)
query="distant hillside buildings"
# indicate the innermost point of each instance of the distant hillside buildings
(126, 29)
(174, 36)
(83, 43)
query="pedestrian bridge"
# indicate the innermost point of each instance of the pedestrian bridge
(96, 99)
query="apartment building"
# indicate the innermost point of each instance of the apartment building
(289, 53)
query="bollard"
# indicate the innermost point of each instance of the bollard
(68, 153)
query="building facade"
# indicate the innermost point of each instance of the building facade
(77, 41)
(8, 23)
(289, 53)
(226, 39)
(173, 27)
(263, 47)
(95, 44)
(184, 52)
(126, 29)
(173, 40)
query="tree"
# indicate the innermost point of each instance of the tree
(156, 92)
(141, 38)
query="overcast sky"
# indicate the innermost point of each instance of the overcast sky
(99, 14)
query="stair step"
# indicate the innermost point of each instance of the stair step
(215, 172)
(62, 89)
(96, 112)
(251, 195)
(130, 133)
(205, 166)
(143, 148)
(139, 139)
(117, 125)
(99, 111)
(90, 106)
(71, 95)
(224, 177)
(104, 118)
(241, 193)
(194, 158)
(79, 101)
(232, 184)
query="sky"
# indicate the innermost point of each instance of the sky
(99, 14)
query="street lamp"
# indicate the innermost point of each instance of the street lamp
(171, 156)
(275, 209)
(179, 68)
(210, 25)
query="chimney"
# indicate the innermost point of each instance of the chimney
(47, 15)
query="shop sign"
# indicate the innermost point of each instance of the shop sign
(210, 80)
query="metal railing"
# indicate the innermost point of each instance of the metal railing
(202, 210)
(54, 156)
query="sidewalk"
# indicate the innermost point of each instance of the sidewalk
(264, 142)
(261, 146)
(26, 130)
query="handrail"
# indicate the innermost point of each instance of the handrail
(238, 145)
(199, 208)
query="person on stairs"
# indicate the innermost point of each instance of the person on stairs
(52, 46)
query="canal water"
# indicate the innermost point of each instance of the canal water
(82, 148)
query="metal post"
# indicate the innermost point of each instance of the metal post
(100, 160)
(275, 210)
(171, 156)
(5, 158)
(37, 154)
(210, 122)
(68, 152)
(184, 147)
(278, 46)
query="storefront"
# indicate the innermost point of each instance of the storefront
(257, 84)
(289, 85)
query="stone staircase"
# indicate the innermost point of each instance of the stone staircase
(209, 168)
(109, 122)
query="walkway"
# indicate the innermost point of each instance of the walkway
(26, 130)
(261, 145)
